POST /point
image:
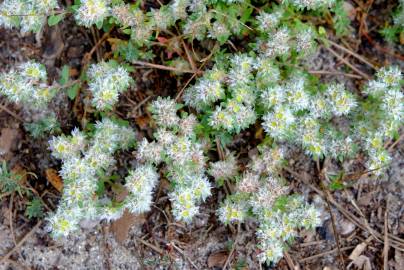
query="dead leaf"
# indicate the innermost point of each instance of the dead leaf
(357, 251)
(217, 259)
(8, 141)
(362, 262)
(121, 226)
(53, 177)
(143, 122)
(345, 227)
(259, 134)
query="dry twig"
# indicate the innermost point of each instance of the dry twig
(342, 59)
(386, 238)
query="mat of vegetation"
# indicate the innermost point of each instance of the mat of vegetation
(201, 134)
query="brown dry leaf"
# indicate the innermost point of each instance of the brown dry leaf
(362, 263)
(259, 134)
(217, 259)
(20, 171)
(53, 177)
(357, 251)
(143, 122)
(8, 141)
(121, 226)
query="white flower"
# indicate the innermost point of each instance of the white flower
(311, 4)
(278, 123)
(272, 251)
(305, 41)
(378, 161)
(278, 43)
(187, 125)
(249, 183)
(30, 16)
(165, 112)
(319, 107)
(376, 88)
(150, 152)
(179, 9)
(106, 82)
(124, 15)
(225, 169)
(27, 85)
(272, 96)
(231, 212)
(183, 204)
(201, 188)
(393, 105)
(341, 101)
(61, 224)
(92, 12)
(297, 96)
(165, 137)
(140, 184)
(268, 21)
(391, 76)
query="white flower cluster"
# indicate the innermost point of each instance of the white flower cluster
(92, 12)
(140, 184)
(224, 169)
(106, 81)
(295, 115)
(196, 17)
(310, 4)
(30, 16)
(279, 226)
(237, 111)
(383, 115)
(84, 160)
(262, 193)
(176, 145)
(27, 85)
(283, 40)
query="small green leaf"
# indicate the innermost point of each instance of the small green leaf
(322, 32)
(336, 185)
(72, 91)
(99, 24)
(55, 19)
(34, 209)
(64, 76)
(127, 31)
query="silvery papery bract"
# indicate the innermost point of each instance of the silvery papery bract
(27, 85)
(106, 81)
(92, 12)
(84, 159)
(383, 116)
(177, 147)
(310, 4)
(30, 16)
(262, 195)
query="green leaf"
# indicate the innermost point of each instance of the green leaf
(34, 209)
(336, 185)
(72, 91)
(55, 19)
(127, 31)
(99, 24)
(64, 76)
